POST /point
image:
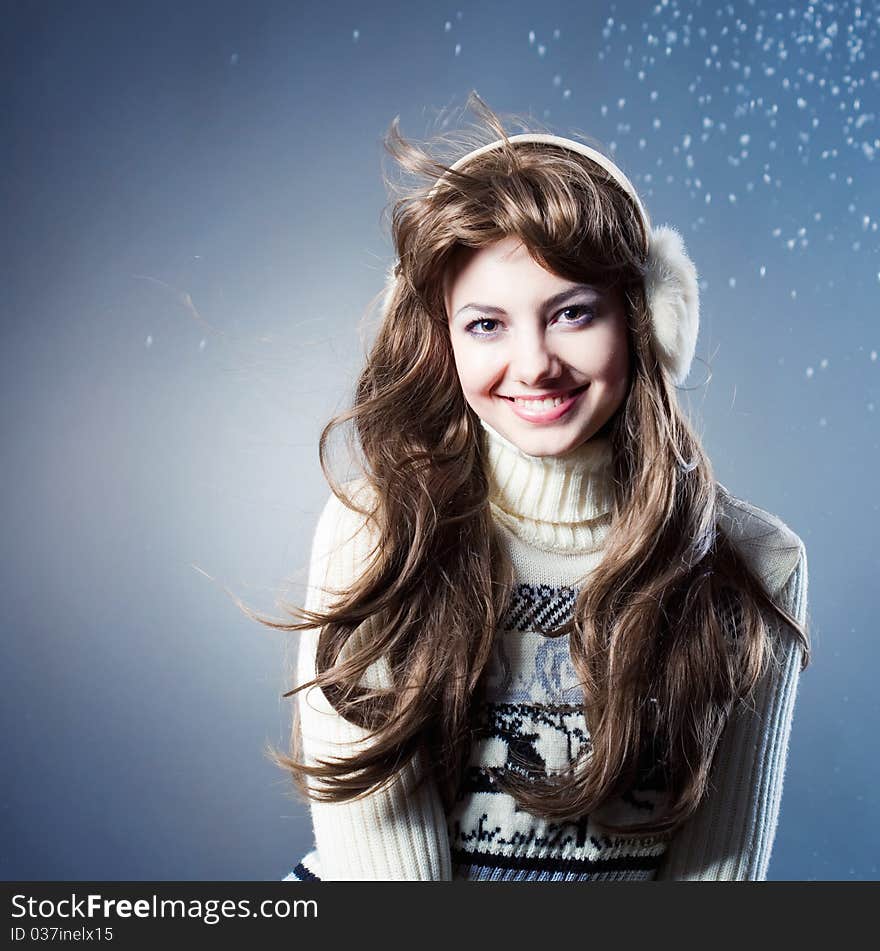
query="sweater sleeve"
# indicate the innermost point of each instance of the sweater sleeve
(730, 836)
(388, 835)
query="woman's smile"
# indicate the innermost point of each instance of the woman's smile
(545, 409)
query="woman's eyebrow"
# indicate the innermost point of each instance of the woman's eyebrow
(550, 302)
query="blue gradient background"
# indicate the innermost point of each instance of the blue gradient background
(192, 235)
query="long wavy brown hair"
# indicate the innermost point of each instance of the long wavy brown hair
(667, 636)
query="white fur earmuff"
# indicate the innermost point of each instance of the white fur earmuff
(673, 299)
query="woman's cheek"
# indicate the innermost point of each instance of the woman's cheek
(477, 371)
(609, 356)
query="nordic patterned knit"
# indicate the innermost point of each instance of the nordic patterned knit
(553, 514)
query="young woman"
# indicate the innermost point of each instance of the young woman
(541, 641)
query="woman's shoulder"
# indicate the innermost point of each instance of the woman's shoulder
(341, 548)
(360, 491)
(338, 525)
(764, 540)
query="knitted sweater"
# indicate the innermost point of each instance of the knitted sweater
(553, 514)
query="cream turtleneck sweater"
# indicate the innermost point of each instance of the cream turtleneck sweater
(554, 514)
(560, 504)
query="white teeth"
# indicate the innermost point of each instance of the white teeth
(541, 404)
(547, 403)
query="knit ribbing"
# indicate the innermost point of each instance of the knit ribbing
(556, 503)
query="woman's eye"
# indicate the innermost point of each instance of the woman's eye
(477, 323)
(588, 312)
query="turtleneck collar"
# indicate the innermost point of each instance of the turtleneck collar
(559, 503)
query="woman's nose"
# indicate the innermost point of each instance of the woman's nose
(534, 361)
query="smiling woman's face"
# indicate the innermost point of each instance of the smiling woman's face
(518, 330)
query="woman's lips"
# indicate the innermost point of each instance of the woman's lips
(550, 414)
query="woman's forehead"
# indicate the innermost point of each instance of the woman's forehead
(502, 250)
(496, 261)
